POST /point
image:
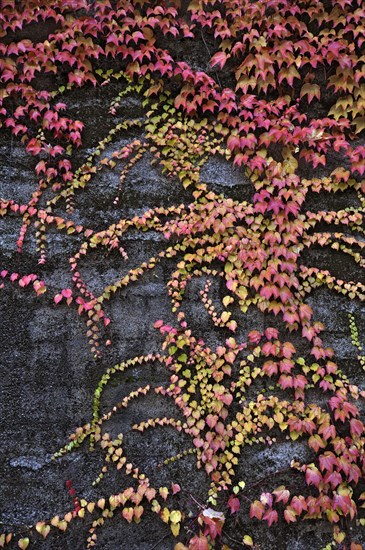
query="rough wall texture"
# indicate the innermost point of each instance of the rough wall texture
(49, 377)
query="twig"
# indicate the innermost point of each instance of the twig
(210, 53)
(197, 503)
(157, 543)
(232, 539)
(263, 479)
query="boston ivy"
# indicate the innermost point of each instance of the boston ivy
(285, 87)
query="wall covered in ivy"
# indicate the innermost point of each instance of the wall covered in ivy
(182, 274)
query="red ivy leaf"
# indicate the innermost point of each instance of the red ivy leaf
(233, 504)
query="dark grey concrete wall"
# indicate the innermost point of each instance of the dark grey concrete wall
(48, 375)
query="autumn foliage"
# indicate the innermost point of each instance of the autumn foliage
(283, 87)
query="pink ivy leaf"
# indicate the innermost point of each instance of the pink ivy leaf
(26, 279)
(266, 499)
(271, 516)
(219, 58)
(66, 293)
(199, 543)
(313, 476)
(270, 367)
(271, 333)
(281, 494)
(288, 350)
(175, 487)
(233, 142)
(270, 348)
(226, 398)
(198, 442)
(290, 515)
(356, 427)
(212, 420)
(299, 504)
(255, 336)
(127, 514)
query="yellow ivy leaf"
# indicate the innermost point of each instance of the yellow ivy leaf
(227, 300)
(101, 503)
(163, 492)
(225, 316)
(40, 526)
(175, 516)
(247, 540)
(359, 122)
(165, 515)
(311, 91)
(242, 292)
(175, 529)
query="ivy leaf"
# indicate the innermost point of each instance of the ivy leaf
(175, 487)
(247, 540)
(175, 529)
(219, 58)
(271, 516)
(270, 367)
(271, 333)
(199, 543)
(57, 299)
(313, 476)
(359, 122)
(356, 427)
(257, 509)
(233, 504)
(137, 513)
(281, 494)
(66, 293)
(290, 515)
(164, 492)
(254, 336)
(127, 513)
(311, 91)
